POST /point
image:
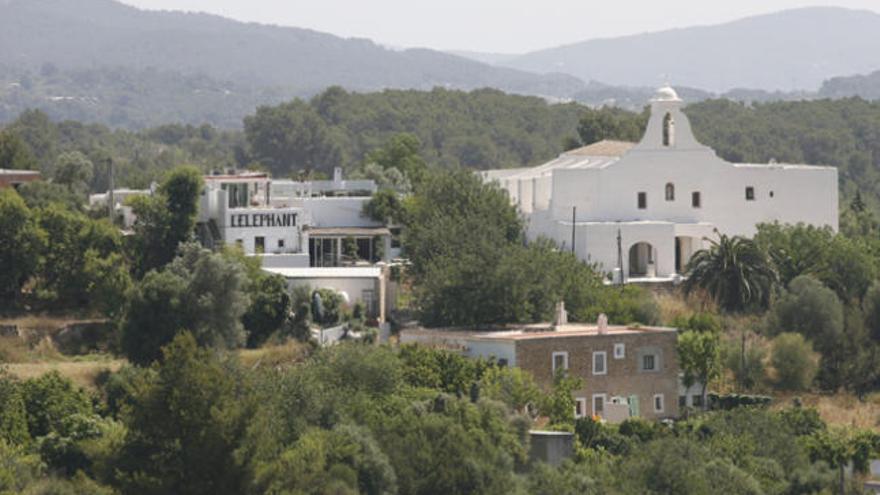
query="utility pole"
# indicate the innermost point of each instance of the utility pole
(574, 210)
(111, 203)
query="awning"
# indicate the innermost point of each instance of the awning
(349, 231)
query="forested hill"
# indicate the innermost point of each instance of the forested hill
(480, 129)
(87, 34)
(794, 49)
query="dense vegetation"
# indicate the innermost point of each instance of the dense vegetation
(797, 308)
(365, 419)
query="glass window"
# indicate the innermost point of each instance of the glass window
(280, 243)
(643, 200)
(670, 192)
(649, 362)
(259, 245)
(750, 193)
(658, 403)
(697, 400)
(599, 363)
(695, 199)
(560, 361)
(619, 351)
(598, 404)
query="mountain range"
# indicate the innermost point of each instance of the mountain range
(790, 50)
(96, 33)
(104, 61)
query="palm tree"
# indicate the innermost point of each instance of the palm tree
(734, 271)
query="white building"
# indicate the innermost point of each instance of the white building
(647, 207)
(293, 224)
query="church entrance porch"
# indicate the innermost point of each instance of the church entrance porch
(642, 256)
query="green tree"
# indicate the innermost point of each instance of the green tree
(611, 123)
(40, 194)
(345, 459)
(512, 386)
(21, 242)
(185, 424)
(811, 309)
(18, 468)
(49, 400)
(401, 152)
(199, 291)
(292, 137)
(166, 220)
(15, 153)
(699, 357)
(82, 265)
(268, 310)
(75, 171)
(13, 419)
(385, 206)
(794, 361)
(735, 273)
(41, 136)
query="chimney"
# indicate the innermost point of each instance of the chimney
(602, 324)
(561, 317)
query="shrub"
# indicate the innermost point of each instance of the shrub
(794, 361)
(50, 399)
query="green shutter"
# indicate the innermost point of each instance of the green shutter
(633, 406)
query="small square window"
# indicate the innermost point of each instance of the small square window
(599, 365)
(697, 400)
(658, 403)
(649, 362)
(619, 351)
(696, 199)
(281, 243)
(682, 401)
(750, 193)
(560, 362)
(580, 407)
(643, 200)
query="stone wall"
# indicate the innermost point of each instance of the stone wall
(624, 377)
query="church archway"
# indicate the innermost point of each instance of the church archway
(642, 256)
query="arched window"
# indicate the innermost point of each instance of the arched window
(670, 192)
(668, 130)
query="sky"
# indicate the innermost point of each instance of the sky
(498, 26)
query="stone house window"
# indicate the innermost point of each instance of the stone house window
(600, 366)
(658, 403)
(750, 193)
(580, 407)
(560, 362)
(598, 405)
(619, 351)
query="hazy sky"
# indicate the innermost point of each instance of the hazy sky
(508, 26)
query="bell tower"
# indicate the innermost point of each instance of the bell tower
(668, 127)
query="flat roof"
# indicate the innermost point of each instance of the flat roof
(328, 272)
(538, 331)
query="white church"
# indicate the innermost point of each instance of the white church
(641, 210)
